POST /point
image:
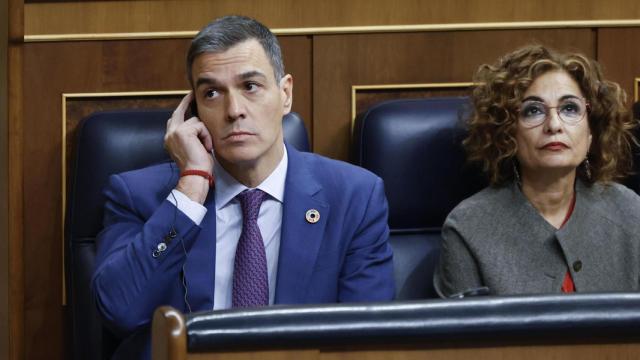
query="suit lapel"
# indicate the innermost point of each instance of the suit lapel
(300, 240)
(199, 268)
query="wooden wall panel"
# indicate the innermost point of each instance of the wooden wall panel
(87, 67)
(364, 98)
(593, 351)
(340, 61)
(297, 56)
(53, 69)
(4, 184)
(619, 53)
(187, 15)
(15, 202)
(50, 1)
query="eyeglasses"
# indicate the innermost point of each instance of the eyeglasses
(571, 111)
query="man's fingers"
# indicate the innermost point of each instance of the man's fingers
(178, 114)
(184, 104)
(204, 135)
(192, 128)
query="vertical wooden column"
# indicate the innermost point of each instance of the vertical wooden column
(14, 131)
(4, 279)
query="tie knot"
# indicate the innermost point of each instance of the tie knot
(250, 201)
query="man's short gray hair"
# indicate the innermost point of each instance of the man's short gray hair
(226, 32)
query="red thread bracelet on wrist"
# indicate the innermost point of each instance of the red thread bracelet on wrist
(202, 173)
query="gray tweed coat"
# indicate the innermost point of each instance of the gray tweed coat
(496, 238)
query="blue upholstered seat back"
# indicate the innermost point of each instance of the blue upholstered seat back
(415, 146)
(112, 142)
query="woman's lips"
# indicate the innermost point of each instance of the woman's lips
(555, 146)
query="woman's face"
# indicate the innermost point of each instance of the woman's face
(553, 132)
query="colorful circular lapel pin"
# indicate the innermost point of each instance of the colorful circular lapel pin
(312, 216)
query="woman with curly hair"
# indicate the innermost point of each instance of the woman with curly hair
(553, 137)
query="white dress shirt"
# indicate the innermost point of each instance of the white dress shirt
(229, 225)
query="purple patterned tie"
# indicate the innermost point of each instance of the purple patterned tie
(250, 282)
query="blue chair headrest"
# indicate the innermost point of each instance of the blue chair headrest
(415, 146)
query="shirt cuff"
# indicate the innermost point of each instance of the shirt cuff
(192, 209)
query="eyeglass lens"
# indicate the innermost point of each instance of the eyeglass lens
(570, 111)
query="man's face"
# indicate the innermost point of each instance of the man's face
(241, 104)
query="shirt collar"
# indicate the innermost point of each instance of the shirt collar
(227, 187)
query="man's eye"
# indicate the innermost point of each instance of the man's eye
(251, 86)
(210, 94)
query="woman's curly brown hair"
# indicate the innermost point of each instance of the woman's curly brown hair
(496, 98)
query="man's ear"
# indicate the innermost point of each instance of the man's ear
(286, 85)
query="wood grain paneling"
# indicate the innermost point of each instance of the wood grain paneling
(619, 53)
(88, 67)
(521, 352)
(51, 71)
(16, 186)
(184, 15)
(50, 1)
(16, 204)
(341, 61)
(297, 56)
(364, 97)
(4, 184)
(453, 352)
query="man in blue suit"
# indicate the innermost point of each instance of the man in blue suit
(277, 226)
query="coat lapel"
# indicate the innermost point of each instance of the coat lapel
(199, 268)
(300, 240)
(593, 247)
(536, 244)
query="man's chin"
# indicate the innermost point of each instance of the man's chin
(238, 157)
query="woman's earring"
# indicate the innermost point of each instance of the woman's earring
(587, 168)
(516, 174)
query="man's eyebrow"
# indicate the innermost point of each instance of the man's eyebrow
(205, 81)
(244, 76)
(251, 74)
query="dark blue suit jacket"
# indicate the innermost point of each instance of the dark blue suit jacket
(344, 257)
